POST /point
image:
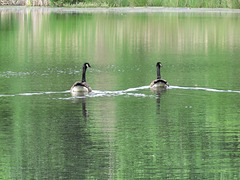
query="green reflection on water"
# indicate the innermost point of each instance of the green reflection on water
(177, 134)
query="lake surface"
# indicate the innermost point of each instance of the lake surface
(122, 130)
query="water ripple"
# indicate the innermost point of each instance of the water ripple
(127, 92)
(204, 89)
(35, 93)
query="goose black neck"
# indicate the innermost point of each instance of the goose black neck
(158, 72)
(83, 74)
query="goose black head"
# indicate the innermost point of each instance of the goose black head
(86, 65)
(159, 64)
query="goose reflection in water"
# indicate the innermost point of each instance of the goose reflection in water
(81, 100)
(158, 92)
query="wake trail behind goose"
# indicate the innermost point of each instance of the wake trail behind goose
(126, 92)
(204, 89)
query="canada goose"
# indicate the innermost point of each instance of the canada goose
(159, 83)
(82, 86)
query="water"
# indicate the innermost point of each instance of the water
(122, 130)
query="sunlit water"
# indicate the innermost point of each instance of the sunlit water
(122, 129)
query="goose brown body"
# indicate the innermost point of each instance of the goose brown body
(159, 83)
(81, 87)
